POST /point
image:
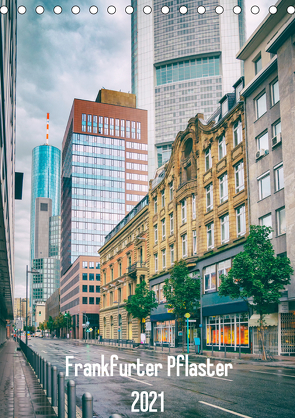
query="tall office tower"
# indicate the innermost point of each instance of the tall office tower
(182, 64)
(7, 162)
(104, 170)
(45, 224)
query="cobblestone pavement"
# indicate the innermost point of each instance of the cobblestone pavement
(21, 395)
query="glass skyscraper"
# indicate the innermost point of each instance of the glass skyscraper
(45, 223)
(104, 171)
(182, 64)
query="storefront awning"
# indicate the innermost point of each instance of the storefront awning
(271, 320)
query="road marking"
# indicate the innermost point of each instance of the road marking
(141, 381)
(220, 378)
(276, 374)
(226, 410)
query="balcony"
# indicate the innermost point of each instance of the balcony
(136, 266)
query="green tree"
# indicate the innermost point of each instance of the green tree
(182, 293)
(50, 324)
(257, 274)
(141, 303)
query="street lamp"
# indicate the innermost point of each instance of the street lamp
(85, 323)
(27, 276)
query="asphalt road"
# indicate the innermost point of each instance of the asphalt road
(250, 390)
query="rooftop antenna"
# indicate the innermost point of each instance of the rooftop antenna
(47, 129)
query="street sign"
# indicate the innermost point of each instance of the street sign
(192, 320)
(19, 324)
(148, 326)
(187, 315)
(83, 325)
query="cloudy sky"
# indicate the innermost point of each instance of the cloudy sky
(60, 57)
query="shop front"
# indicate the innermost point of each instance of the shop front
(231, 330)
(164, 333)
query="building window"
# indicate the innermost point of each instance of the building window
(112, 274)
(223, 188)
(163, 229)
(106, 126)
(275, 95)
(281, 221)
(84, 264)
(138, 130)
(163, 198)
(194, 242)
(119, 295)
(210, 236)
(84, 300)
(264, 186)
(194, 200)
(262, 142)
(209, 197)
(156, 262)
(260, 105)
(89, 123)
(171, 190)
(156, 233)
(122, 128)
(172, 254)
(91, 301)
(183, 211)
(224, 107)
(208, 159)
(239, 176)
(97, 301)
(223, 268)
(91, 289)
(210, 279)
(97, 277)
(276, 128)
(120, 269)
(127, 128)
(104, 278)
(224, 223)
(163, 259)
(266, 221)
(91, 276)
(184, 245)
(258, 65)
(279, 177)
(221, 147)
(155, 205)
(111, 298)
(84, 276)
(171, 223)
(97, 265)
(83, 122)
(238, 137)
(97, 289)
(104, 301)
(241, 220)
(91, 264)
(84, 288)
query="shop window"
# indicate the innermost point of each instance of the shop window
(230, 330)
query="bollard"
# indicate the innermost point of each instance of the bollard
(240, 351)
(87, 405)
(54, 385)
(71, 392)
(224, 350)
(41, 371)
(61, 395)
(48, 383)
(44, 375)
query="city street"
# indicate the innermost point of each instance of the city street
(250, 389)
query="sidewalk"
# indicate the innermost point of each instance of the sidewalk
(21, 395)
(247, 358)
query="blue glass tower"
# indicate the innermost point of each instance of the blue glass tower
(45, 225)
(46, 164)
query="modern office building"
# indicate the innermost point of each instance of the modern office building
(52, 305)
(104, 170)
(45, 224)
(182, 64)
(7, 162)
(269, 61)
(80, 295)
